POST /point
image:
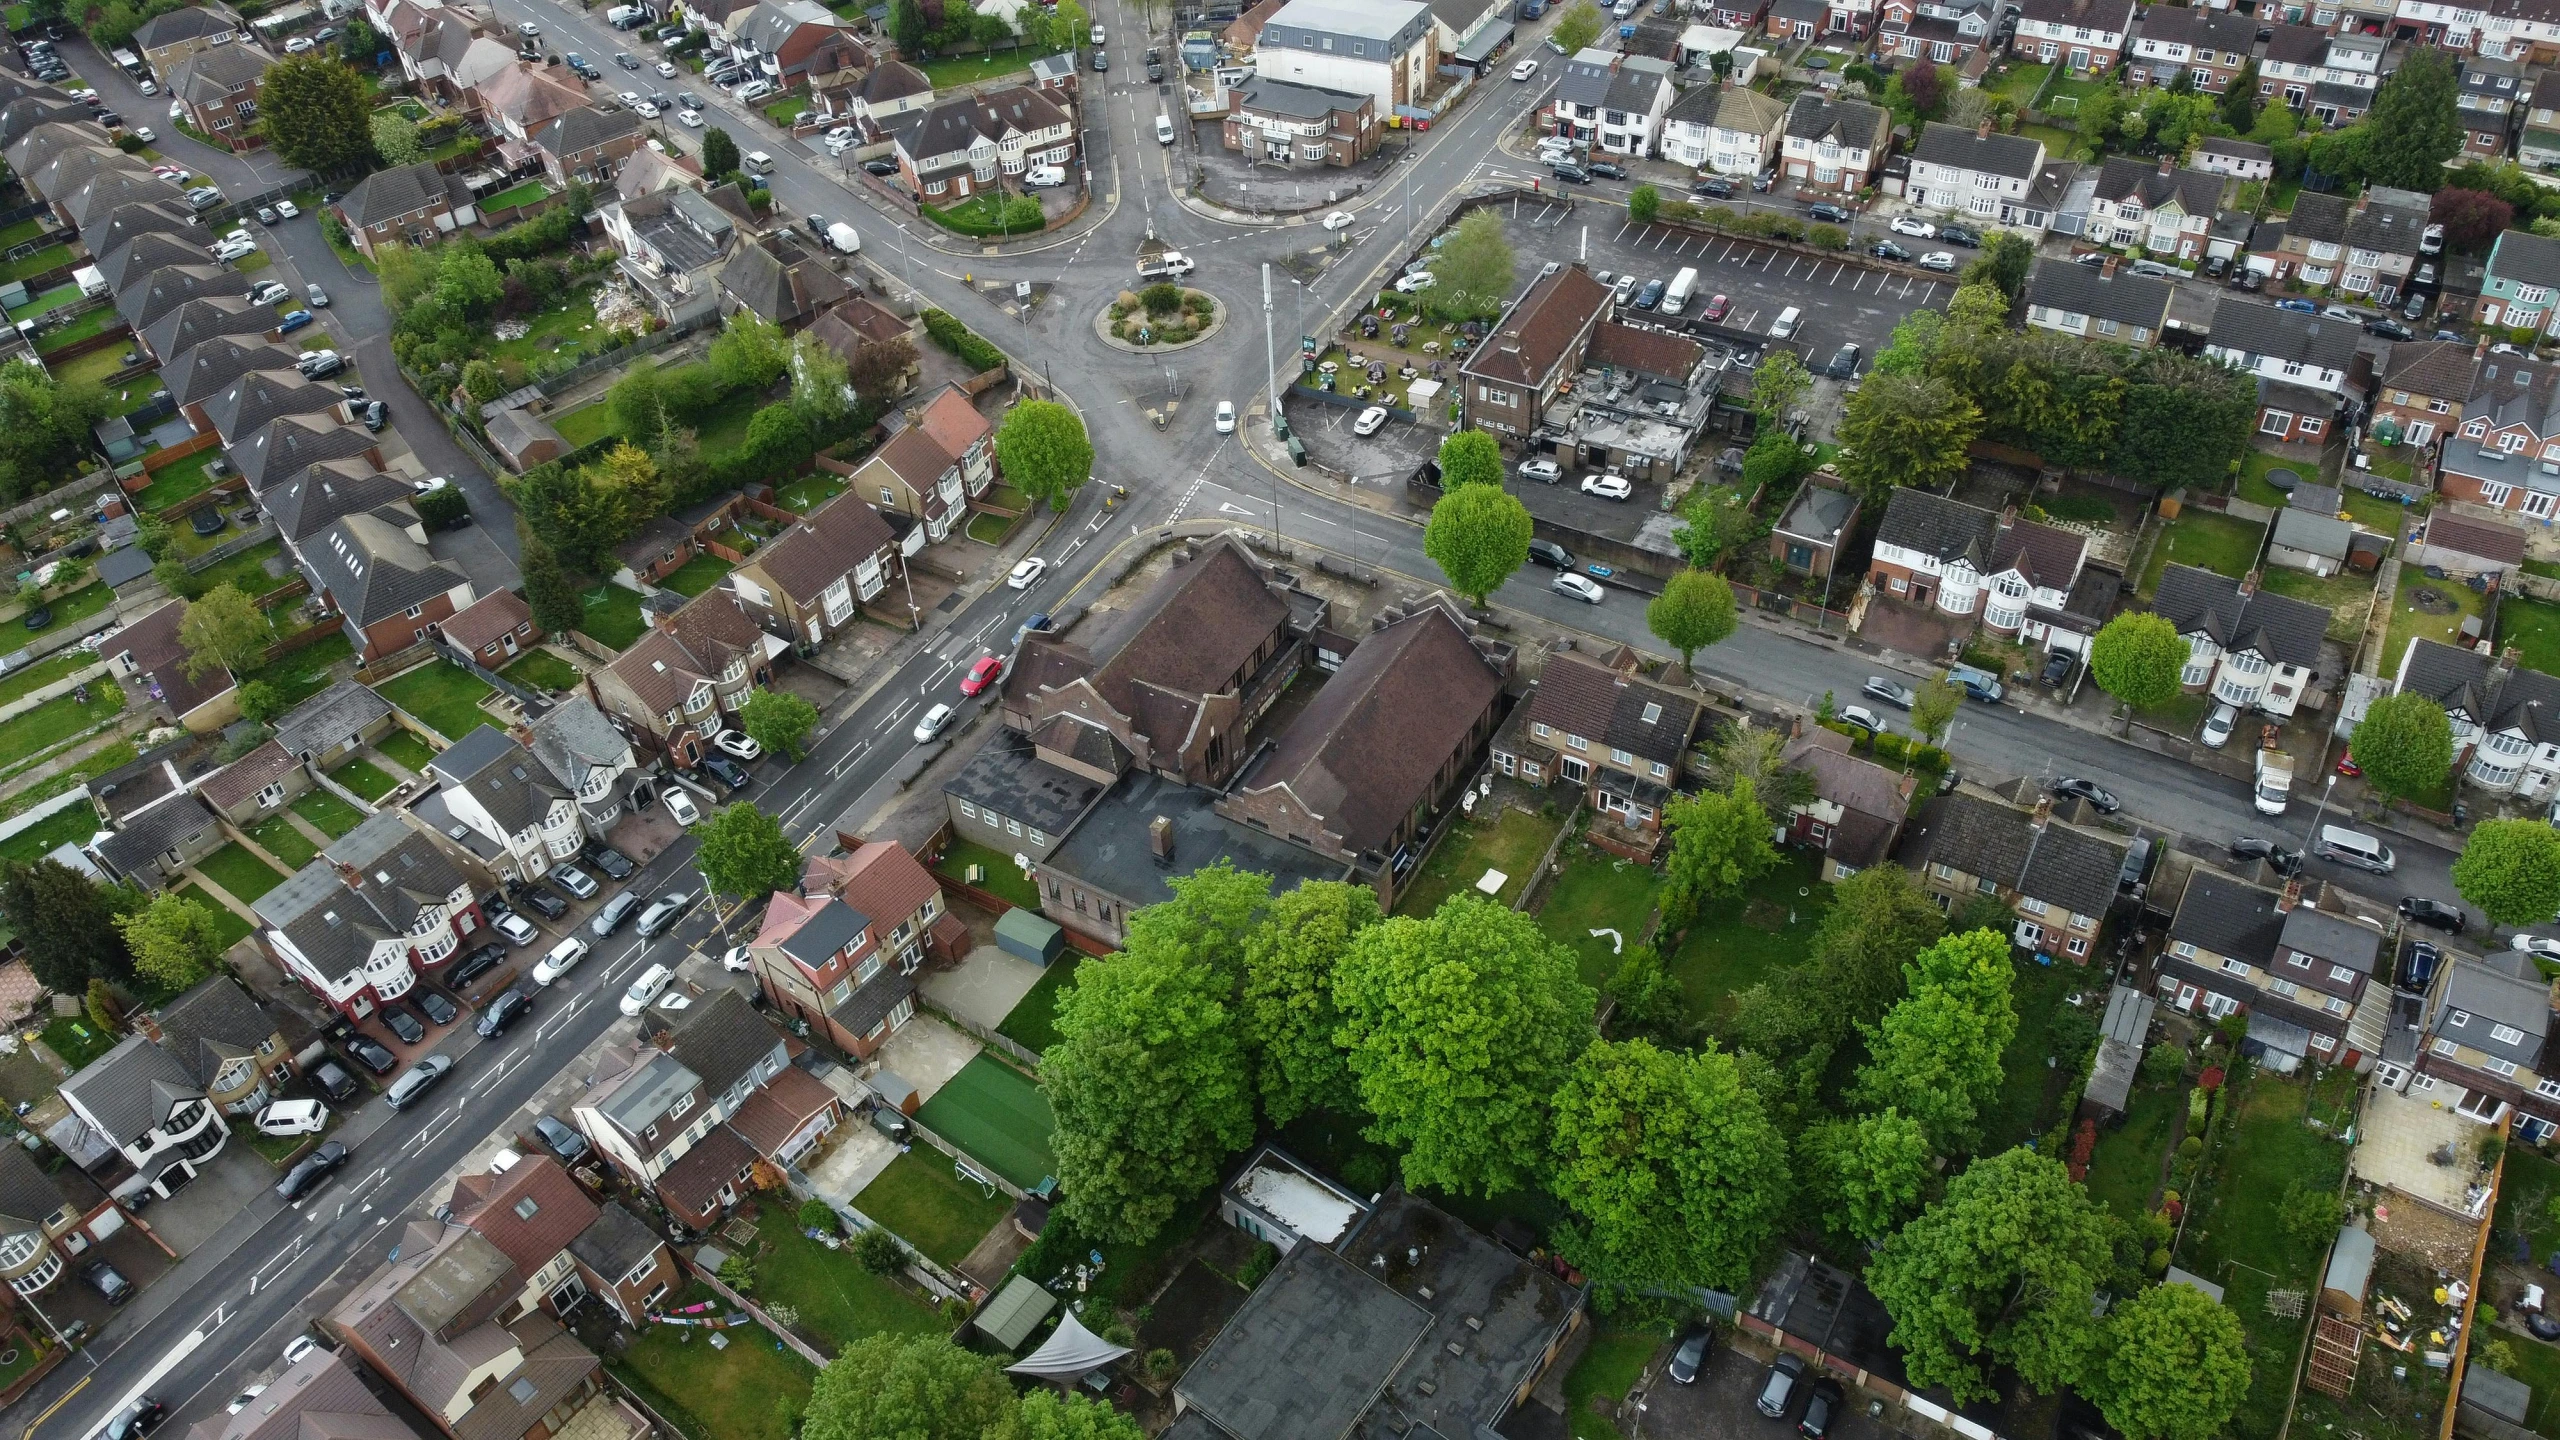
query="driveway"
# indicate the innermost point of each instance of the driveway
(1720, 1405)
(236, 1177)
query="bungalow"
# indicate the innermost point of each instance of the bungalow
(873, 339)
(334, 724)
(2236, 159)
(492, 631)
(148, 651)
(249, 788)
(1807, 536)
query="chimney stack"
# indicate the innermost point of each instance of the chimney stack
(2044, 813)
(2249, 584)
(2107, 268)
(1160, 840)
(2168, 164)
(2480, 351)
(146, 1023)
(2291, 897)
(1983, 130)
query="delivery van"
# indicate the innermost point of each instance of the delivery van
(1164, 129)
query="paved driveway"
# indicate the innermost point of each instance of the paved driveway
(1719, 1406)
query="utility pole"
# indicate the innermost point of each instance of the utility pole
(1270, 350)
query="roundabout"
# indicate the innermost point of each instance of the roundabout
(1160, 319)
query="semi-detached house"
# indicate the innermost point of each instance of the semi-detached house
(2016, 574)
(2364, 247)
(2057, 879)
(373, 571)
(1835, 147)
(2248, 648)
(1977, 174)
(2313, 351)
(2107, 303)
(2159, 208)
(2297, 969)
(2538, 148)
(676, 686)
(2332, 77)
(1598, 726)
(957, 147)
(1729, 129)
(2523, 278)
(494, 785)
(2210, 45)
(2501, 446)
(1612, 101)
(2083, 36)
(2486, 105)
(2506, 719)
(383, 902)
(2483, 1034)
(839, 558)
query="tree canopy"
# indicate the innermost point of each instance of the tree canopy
(2175, 1366)
(174, 940)
(1870, 1174)
(2511, 870)
(1694, 610)
(1470, 457)
(2404, 745)
(1044, 451)
(2138, 657)
(317, 114)
(1719, 843)
(1474, 270)
(2412, 129)
(1478, 536)
(222, 629)
(744, 852)
(1906, 429)
(1936, 1053)
(779, 721)
(1287, 1002)
(919, 1387)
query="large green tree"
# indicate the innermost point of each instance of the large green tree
(46, 427)
(750, 352)
(2511, 870)
(1868, 1175)
(174, 941)
(1906, 430)
(1719, 843)
(1470, 457)
(2412, 129)
(1673, 1171)
(2137, 658)
(575, 514)
(1478, 536)
(917, 1387)
(744, 852)
(1214, 912)
(395, 139)
(1150, 1085)
(1934, 704)
(1287, 1003)
(548, 591)
(1474, 269)
(1578, 27)
(719, 155)
(1936, 1053)
(1778, 385)
(317, 114)
(2004, 262)
(1048, 1415)
(68, 923)
(2003, 1271)
(1694, 610)
(1044, 451)
(2239, 103)
(223, 630)
(1460, 1026)
(2174, 1366)
(2404, 745)
(779, 721)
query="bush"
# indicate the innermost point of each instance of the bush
(2163, 1063)
(879, 1252)
(738, 1274)
(818, 1215)
(1161, 298)
(960, 340)
(1017, 215)
(2191, 1147)
(1162, 1364)
(441, 507)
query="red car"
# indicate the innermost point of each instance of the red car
(982, 675)
(1716, 307)
(2347, 765)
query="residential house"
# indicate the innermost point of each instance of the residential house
(821, 960)
(405, 202)
(2333, 77)
(2487, 105)
(625, 1263)
(842, 556)
(781, 280)
(154, 846)
(1507, 382)
(2161, 209)
(2016, 573)
(242, 407)
(142, 303)
(226, 1040)
(2506, 451)
(1613, 101)
(1599, 726)
(589, 756)
(961, 145)
(2538, 148)
(322, 1396)
(305, 504)
(1835, 147)
(864, 332)
(2298, 971)
(148, 652)
(258, 783)
(2236, 159)
(2311, 351)
(2426, 386)
(1855, 814)
(530, 1209)
(2297, 414)
(2206, 44)
(2523, 275)
(586, 145)
(492, 631)
(798, 40)
(334, 724)
(1943, 32)
(450, 54)
(2484, 1026)
(671, 243)
(2057, 879)
(212, 366)
(2082, 36)
(219, 88)
(1729, 129)
(147, 247)
(2366, 247)
(166, 41)
(656, 1119)
(2250, 649)
(1977, 174)
(2501, 743)
(884, 879)
(177, 332)
(1384, 49)
(45, 1219)
(1807, 537)
(2106, 303)
(890, 88)
(144, 1122)
(521, 99)
(1466, 31)
(1278, 123)
(914, 476)
(956, 425)
(493, 785)
(383, 902)
(373, 571)
(674, 689)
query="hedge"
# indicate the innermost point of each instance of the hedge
(1017, 215)
(1890, 747)
(957, 338)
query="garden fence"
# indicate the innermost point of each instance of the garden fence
(525, 699)
(54, 691)
(265, 532)
(721, 1288)
(628, 1396)
(990, 1037)
(920, 1268)
(72, 634)
(43, 810)
(363, 806)
(618, 357)
(75, 495)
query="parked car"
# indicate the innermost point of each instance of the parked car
(1690, 1355)
(2278, 858)
(397, 1018)
(138, 1418)
(551, 906)
(2389, 329)
(1717, 308)
(663, 912)
(309, 1171)
(2300, 306)
(1579, 587)
(1942, 261)
(932, 723)
(1915, 228)
(1027, 574)
(564, 957)
(574, 880)
(1891, 692)
(1821, 1407)
(1550, 554)
(1887, 250)
(1371, 421)
(433, 1004)
(1828, 214)
(512, 1004)
(1844, 364)
(293, 1117)
(560, 1140)
(476, 964)
(1778, 1387)
(1959, 235)
(372, 1054)
(2219, 725)
(615, 911)
(616, 865)
(2057, 666)
(1607, 487)
(651, 984)
(421, 1078)
(680, 807)
(293, 320)
(1711, 188)
(729, 772)
(1607, 169)
(268, 293)
(2434, 914)
(1650, 295)
(2089, 790)
(1862, 717)
(1544, 471)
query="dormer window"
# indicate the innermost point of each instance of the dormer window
(678, 1109)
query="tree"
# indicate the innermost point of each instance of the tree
(468, 283)
(1470, 457)
(223, 629)
(820, 389)
(1214, 911)
(1775, 461)
(1933, 707)
(1925, 86)
(778, 720)
(174, 940)
(744, 852)
(1673, 1171)
(548, 591)
(2239, 104)
(637, 403)
(1287, 1000)
(1044, 451)
(395, 139)
(2004, 262)
(2511, 870)
(46, 427)
(1914, 342)
(2003, 1271)
(260, 702)
(1643, 203)
(1048, 1415)
(2412, 129)
(1478, 536)
(483, 381)
(879, 1252)
(719, 154)
(629, 481)
(1475, 269)
(2175, 1366)
(1978, 305)
(2472, 219)
(1719, 843)
(1460, 1027)
(173, 576)
(1937, 1052)
(1694, 611)
(751, 352)
(1870, 1174)
(359, 43)
(1778, 385)
(922, 1387)
(68, 924)
(2404, 745)
(1150, 1086)
(1742, 753)
(579, 518)
(317, 113)
(2309, 1217)
(908, 27)
(1906, 430)
(1711, 520)
(1579, 27)
(2137, 658)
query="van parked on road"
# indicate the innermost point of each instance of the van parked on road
(2354, 847)
(1164, 129)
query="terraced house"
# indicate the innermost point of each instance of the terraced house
(2506, 719)
(2057, 879)
(2298, 970)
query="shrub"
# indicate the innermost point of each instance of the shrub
(879, 1252)
(2190, 1148)
(2163, 1063)
(2199, 1104)
(1163, 1363)
(818, 1215)
(441, 507)
(738, 1274)
(947, 332)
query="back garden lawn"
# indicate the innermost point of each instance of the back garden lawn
(1734, 947)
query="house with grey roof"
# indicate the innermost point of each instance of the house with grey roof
(781, 280)
(1387, 50)
(798, 40)
(962, 144)
(141, 303)
(586, 145)
(405, 202)
(163, 41)
(1977, 175)
(588, 756)
(373, 569)
(212, 366)
(1835, 147)
(219, 88)
(1729, 129)
(290, 445)
(1613, 101)
(2502, 740)
(334, 724)
(2522, 279)
(649, 1115)
(2488, 103)
(2486, 1026)
(496, 787)
(2057, 879)
(322, 1396)
(2312, 351)
(208, 317)
(671, 243)
(2238, 159)
(242, 407)
(2365, 247)
(381, 904)
(1807, 537)
(2297, 968)
(229, 1042)
(2105, 302)
(2158, 208)
(1280, 123)
(146, 1116)
(2018, 575)
(2250, 649)
(45, 1216)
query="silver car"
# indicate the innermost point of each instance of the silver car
(933, 723)
(1579, 587)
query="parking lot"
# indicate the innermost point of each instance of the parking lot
(1719, 1406)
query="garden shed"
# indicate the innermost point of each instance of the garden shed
(2120, 1044)
(1016, 1311)
(1024, 933)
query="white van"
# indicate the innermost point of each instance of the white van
(757, 162)
(841, 236)
(1683, 286)
(2354, 847)
(1164, 129)
(1786, 323)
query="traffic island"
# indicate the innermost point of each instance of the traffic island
(1160, 318)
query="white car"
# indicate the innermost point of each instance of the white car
(243, 1400)
(1862, 717)
(421, 487)
(736, 958)
(293, 1117)
(741, 746)
(297, 45)
(287, 209)
(268, 293)
(518, 930)
(148, 88)
(1337, 220)
(1546, 472)
(1226, 417)
(178, 111)
(842, 134)
(680, 807)
(2219, 725)
(651, 984)
(1524, 69)
(1028, 573)
(564, 957)
(1943, 261)
(1580, 587)
(2537, 945)
(231, 250)
(1419, 280)
(1916, 229)
(648, 108)
(527, 28)
(1607, 487)
(1370, 421)
(630, 99)
(692, 118)
(666, 69)
(933, 722)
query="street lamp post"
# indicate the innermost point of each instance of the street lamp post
(2319, 811)
(1831, 565)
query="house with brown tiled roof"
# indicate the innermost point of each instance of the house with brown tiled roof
(523, 98)
(838, 559)
(2426, 386)
(530, 1210)
(955, 424)
(1537, 345)
(1597, 725)
(164, 41)
(2058, 879)
(821, 960)
(677, 686)
(666, 1125)
(1855, 814)
(626, 1264)
(253, 786)
(860, 327)
(322, 1396)
(201, 698)
(1653, 354)
(493, 630)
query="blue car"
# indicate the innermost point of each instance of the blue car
(293, 320)
(2305, 306)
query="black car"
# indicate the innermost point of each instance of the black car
(731, 773)
(2089, 790)
(817, 225)
(309, 1171)
(375, 415)
(1650, 295)
(2215, 267)
(1778, 1387)
(107, 1280)
(1887, 250)
(2248, 280)
(1712, 189)
(512, 1004)
(1820, 1409)
(439, 1010)
(612, 862)
(2434, 914)
(2278, 858)
(1571, 173)
(616, 910)
(2389, 330)
(404, 1024)
(39, 617)
(1828, 214)
(623, 59)
(144, 1415)
(333, 1082)
(372, 1054)
(882, 168)
(2057, 667)
(476, 964)
(541, 898)
(1844, 365)
(1607, 170)
(1691, 1355)
(559, 1139)
(1959, 236)
(1550, 554)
